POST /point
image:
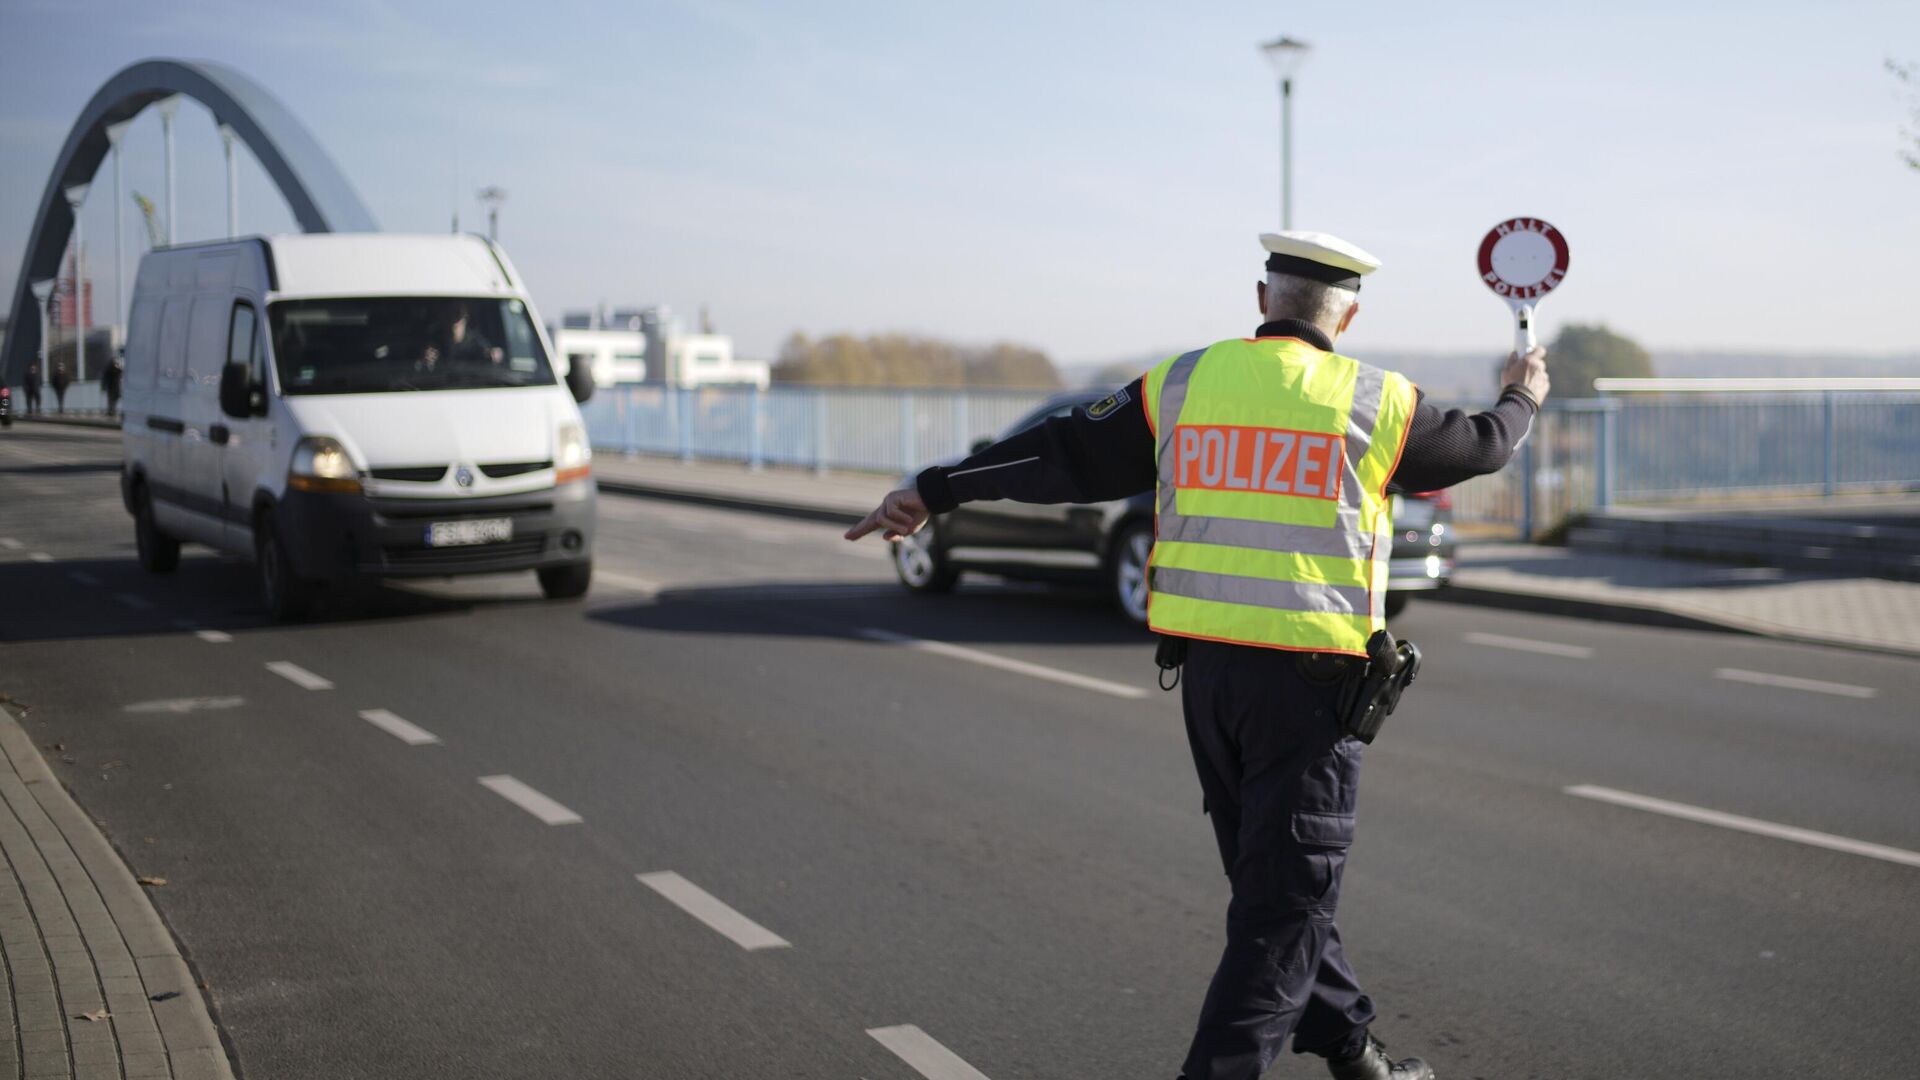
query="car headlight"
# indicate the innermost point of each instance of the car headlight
(571, 455)
(322, 464)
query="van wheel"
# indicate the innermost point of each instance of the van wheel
(287, 597)
(1128, 570)
(159, 553)
(567, 582)
(921, 564)
(1396, 603)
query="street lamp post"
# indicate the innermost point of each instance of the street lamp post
(114, 132)
(1286, 55)
(491, 198)
(233, 183)
(167, 107)
(42, 296)
(76, 198)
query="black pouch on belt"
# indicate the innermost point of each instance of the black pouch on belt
(1372, 696)
(1169, 656)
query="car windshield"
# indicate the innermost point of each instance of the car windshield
(374, 346)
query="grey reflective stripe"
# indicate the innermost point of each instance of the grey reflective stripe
(1345, 540)
(1369, 385)
(1173, 394)
(1261, 592)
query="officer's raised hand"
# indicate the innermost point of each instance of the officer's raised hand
(901, 514)
(1528, 372)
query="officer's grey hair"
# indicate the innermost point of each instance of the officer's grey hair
(1290, 297)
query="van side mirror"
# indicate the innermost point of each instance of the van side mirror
(580, 382)
(236, 391)
(979, 444)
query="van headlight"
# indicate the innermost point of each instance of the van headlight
(572, 455)
(322, 464)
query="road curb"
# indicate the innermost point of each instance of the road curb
(101, 422)
(112, 919)
(728, 501)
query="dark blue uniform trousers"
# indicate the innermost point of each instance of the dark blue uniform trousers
(1280, 780)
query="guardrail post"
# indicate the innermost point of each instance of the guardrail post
(686, 424)
(906, 431)
(630, 417)
(758, 417)
(1827, 463)
(1529, 480)
(820, 432)
(1603, 456)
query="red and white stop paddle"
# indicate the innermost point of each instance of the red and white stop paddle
(1522, 260)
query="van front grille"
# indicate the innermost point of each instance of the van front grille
(514, 468)
(417, 474)
(528, 547)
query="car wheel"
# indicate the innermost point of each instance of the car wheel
(287, 597)
(1396, 603)
(567, 582)
(1129, 570)
(158, 552)
(922, 565)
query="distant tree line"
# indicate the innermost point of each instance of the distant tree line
(911, 360)
(1581, 353)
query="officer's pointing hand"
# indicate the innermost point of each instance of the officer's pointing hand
(901, 514)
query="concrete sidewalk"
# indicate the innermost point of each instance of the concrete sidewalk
(98, 989)
(1852, 612)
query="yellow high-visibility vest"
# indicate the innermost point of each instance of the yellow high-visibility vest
(1272, 522)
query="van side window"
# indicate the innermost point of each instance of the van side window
(240, 335)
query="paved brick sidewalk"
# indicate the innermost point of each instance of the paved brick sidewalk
(86, 954)
(1863, 613)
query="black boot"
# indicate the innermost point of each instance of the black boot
(1372, 1063)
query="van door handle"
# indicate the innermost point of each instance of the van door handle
(219, 433)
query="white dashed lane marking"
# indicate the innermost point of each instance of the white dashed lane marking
(40, 556)
(81, 577)
(299, 676)
(213, 637)
(928, 1058)
(1746, 824)
(986, 659)
(628, 582)
(709, 909)
(10, 544)
(1518, 644)
(185, 705)
(1790, 682)
(406, 732)
(524, 797)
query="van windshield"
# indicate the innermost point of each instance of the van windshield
(380, 345)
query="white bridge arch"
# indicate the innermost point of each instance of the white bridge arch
(318, 193)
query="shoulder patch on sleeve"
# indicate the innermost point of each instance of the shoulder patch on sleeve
(1108, 405)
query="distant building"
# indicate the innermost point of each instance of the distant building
(647, 345)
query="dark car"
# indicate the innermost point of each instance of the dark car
(1107, 543)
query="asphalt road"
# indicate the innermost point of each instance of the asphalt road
(1009, 858)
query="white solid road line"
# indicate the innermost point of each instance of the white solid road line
(975, 656)
(524, 797)
(1546, 648)
(407, 732)
(298, 675)
(81, 577)
(928, 1058)
(1746, 824)
(40, 556)
(1789, 682)
(628, 582)
(213, 637)
(10, 543)
(709, 909)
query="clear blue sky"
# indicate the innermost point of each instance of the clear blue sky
(1086, 177)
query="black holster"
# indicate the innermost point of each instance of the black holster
(1372, 694)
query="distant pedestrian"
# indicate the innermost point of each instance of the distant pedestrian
(61, 380)
(32, 386)
(110, 384)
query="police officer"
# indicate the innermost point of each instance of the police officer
(1273, 458)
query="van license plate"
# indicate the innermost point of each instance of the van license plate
(456, 533)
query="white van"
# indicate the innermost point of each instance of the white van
(343, 405)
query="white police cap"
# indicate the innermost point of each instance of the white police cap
(1318, 256)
